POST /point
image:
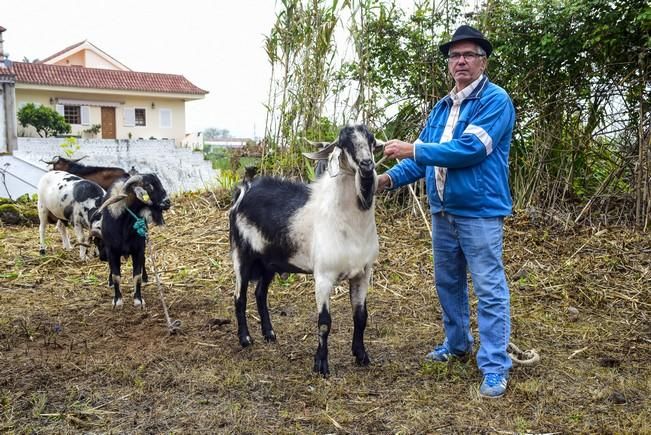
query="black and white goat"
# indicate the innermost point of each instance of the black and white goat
(129, 204)
(326, 229)
(65, 198)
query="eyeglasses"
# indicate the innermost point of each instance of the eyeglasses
(468, 55)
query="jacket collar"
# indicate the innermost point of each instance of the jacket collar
(476, 92)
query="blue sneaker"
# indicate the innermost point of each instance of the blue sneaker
(493, 386)
(441, 353)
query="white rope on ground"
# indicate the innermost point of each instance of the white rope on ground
(172, 326)
(522, 358)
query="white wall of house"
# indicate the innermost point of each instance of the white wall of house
(88, 59)
(164, 118)
(78, 59)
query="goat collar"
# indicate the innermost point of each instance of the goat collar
(140, 225)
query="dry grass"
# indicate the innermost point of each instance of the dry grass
(69, 363)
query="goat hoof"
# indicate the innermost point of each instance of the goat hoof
(246, 341)
(270, 337)
(362, 360)
(117, 303)
(321, 367)
(41, 251)
(139, 303)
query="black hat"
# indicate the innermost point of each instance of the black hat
(467, 33)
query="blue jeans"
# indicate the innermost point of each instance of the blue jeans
(475, 244)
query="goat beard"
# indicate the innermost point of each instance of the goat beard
(365, 187)
(156, 216)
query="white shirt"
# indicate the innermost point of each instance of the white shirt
(453, 117)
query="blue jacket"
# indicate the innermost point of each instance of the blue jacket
(477, 157)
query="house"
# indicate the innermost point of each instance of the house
(124, 118)
(89, 88)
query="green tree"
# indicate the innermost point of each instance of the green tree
(216, 133)
(578, 73)
(45, 120)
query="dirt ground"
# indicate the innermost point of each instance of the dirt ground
(70, 364)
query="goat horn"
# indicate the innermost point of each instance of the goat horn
(80, 158)
(132, 180)
(316, 144)
(321, 154)
(111, 200)
(51, 162)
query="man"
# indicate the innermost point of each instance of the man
(463, 154)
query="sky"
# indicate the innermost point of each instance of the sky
(218, 45)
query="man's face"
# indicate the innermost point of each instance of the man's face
(465, 70)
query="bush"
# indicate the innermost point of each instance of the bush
(20, 212)
(45, 120)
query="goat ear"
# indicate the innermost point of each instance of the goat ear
(322, 154)
(142, 195)
(334, 165)
(379, 144)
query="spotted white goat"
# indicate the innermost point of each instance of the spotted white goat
(65, 198)
(326, 228)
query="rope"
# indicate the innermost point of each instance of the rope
(523, 358)
(140, 225)
(172, 326)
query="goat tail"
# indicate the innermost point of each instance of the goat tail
(238, 194)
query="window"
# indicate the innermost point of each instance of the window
(165, 118)
(141, 117)
(134, 117)
(129, 116)
(72, 114)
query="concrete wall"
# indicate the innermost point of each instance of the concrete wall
(3, 122)
(151, 129)
(179, 169)
(7, 117)
(18, 177)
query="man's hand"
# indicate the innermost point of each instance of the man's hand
(383, 183)
(397, 149)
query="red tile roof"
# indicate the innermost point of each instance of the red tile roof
(95, 78)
